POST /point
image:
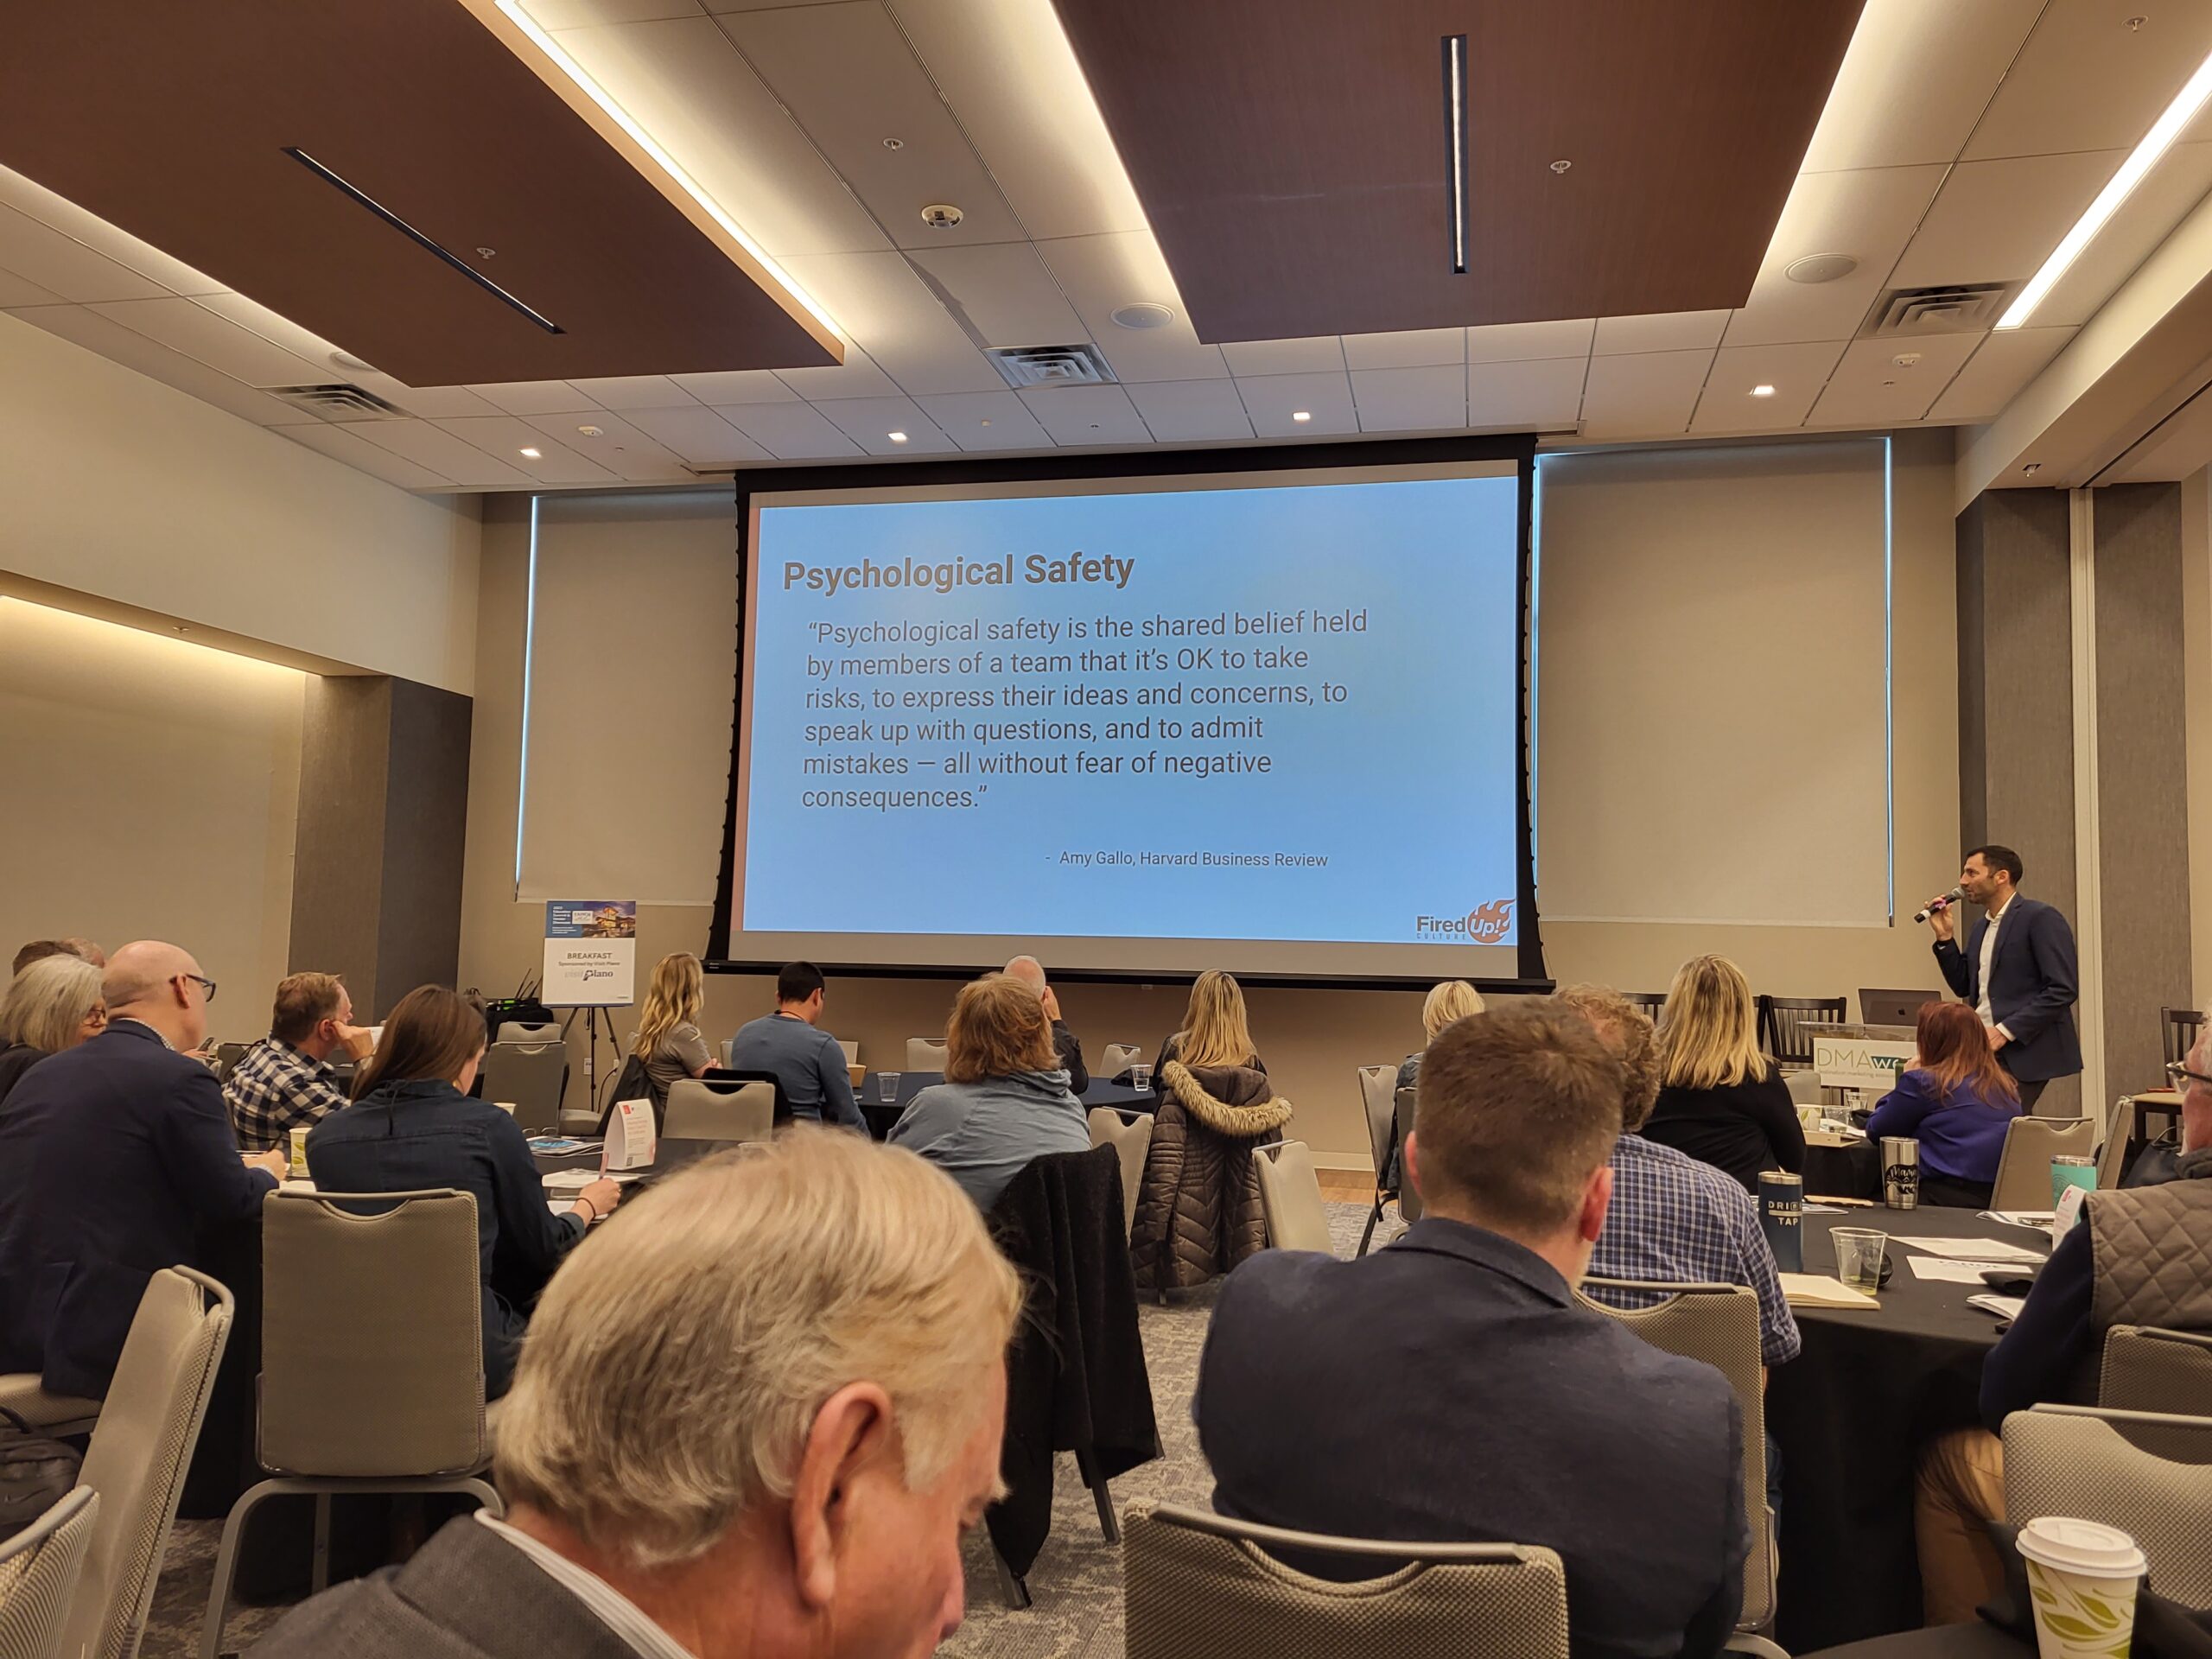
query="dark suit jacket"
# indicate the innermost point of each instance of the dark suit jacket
(113, 1154)
(1068, 1048)
(1449, 1388)
(2032, 986)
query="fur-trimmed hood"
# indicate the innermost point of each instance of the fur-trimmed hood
(1254, 1110)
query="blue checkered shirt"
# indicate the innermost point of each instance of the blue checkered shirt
(1677, 1221)
(274, 1088)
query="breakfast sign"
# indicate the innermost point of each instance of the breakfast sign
(591, 953)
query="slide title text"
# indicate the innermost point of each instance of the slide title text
(833, 579)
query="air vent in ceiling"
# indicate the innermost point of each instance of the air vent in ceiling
(340, 401)
(1949, 309)
(1023, 367)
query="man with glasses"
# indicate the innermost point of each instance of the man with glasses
(2138, 1256)
(114, 1155)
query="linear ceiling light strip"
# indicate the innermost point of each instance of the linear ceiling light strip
(1455, 138)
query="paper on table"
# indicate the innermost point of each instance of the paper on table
(574, 1180)
(2005, 1307)
(1972, 1249)
(1817, 1290)
(2039, 1219)
(1955, 1273)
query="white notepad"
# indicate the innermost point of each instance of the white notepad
(1954, 1273)
(1817, 1290)
(2005, 1307)
(1972, 1249)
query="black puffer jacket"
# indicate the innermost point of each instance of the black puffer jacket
(1198, 1211)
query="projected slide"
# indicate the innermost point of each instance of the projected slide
(1250, 714)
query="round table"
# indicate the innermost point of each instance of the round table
(882, 1114)
(1850, 1414)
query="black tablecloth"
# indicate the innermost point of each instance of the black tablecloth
(1851, 1172)
(882, 1114)
(1975, 1641)
(1850, 1414)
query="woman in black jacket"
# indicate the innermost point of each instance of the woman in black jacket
(1720, 1100)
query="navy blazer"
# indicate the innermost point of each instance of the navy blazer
(113, 1154)
(1449, 1388)
(2032, 987)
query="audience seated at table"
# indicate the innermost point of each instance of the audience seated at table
(2138, 1256)
(1957, 1101)
(112, 1155)
(1199, 1211)
(1448, 1387)
(413, 1126)
(1450, 1001)
(1672, 1220)
(804, 1059)
(39, 949)
(1065, 1044)
(285, 1082)
(1720, 1100)
(1004, 1100)
(753, 1418)
(668, 1043)
(51, 1005)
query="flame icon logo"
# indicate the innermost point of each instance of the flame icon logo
(1488, 924)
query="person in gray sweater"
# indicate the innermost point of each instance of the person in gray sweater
(806, 1060)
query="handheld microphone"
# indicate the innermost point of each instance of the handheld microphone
(1928, 910)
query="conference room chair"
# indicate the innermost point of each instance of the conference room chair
(362, 1390)
(698, 1110)
(228, 1056)
(1782, 1022)
(1650, 1004)
(1804, 1086)
(1131, 1139)
(2023, 1171)
(139, 1454)
(527, 1031)
(2085, 1461)
(849, 1046)
(924, 1054)
(1408, 1198)
(1199, 1586)
(39, 1570)
(2112, 1150)
(57, 1414)
(2147, 1369)
(1118, 1058)
(1720, 1325)
(1290, 1199)
(2179, 1027)
(531, 1077)
(1379, 1100)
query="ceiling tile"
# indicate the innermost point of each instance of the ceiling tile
(342, 443)
(1006, 66)
(1008, 295)
(1997, 221)
(986, 420)
(14, 291)
(2085, 81)
(698, 436)
(1668, 331)
(505, 436)
(1101, 273)
(1430, 399)
(736, 386)
(1514, 342)
(533, 397)
(856, 377)
(869, 422)
(1795, 372)
(619, 445)
(1650, 394)
(687, 85)
(38, 253)
(1871, 388)
(442, 452)
(1273, 401)
(578, 14)
(1086, 416)
(850, 81)
(135, 350)
(1543, 394)
(1192, 412)
(790, 431)
(1996, 374)
(2143, 221)
(1323, 355)
(198, 333)
(173, 276)
(879, 302)
(1414, 349)
(632, 392)
(431, 403)
(719, 6)
(1915, 81)
(1869, 215)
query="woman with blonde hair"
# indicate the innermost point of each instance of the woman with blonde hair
(1447, 1004)
(52, 1004)
(1720, 1100)
(668, 1043)
(1214, 1032)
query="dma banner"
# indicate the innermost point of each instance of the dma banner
(591, 953)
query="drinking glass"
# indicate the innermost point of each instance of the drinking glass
(1858, 1257)
(888, 1082)
(1140, 1077)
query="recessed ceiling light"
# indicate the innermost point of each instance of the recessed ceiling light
(1145, 313)
(533, 454)
(896, 438)
(1762, 392)
(1301, 415)
(2140, 160)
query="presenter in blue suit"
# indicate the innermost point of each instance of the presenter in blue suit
(2016, 970)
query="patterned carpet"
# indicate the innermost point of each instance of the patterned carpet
(1076, 1584)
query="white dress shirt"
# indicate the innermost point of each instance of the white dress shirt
(607, 1605)
(1989, 956)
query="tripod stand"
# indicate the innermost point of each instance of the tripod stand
(596, 1017)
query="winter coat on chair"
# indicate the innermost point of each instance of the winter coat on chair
(1198, 1211)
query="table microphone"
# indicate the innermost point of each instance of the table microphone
(1930, 908)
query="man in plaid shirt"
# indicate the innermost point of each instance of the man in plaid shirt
(284, 1081)
(1673, 1220)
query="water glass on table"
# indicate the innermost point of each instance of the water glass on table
(1858, 1257)
(887, 1083)
(1140, 1077)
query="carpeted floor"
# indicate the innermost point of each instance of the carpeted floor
(1076, 1584)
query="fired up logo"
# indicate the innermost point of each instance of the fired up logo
(1483, 925)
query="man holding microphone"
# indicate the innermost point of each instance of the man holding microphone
(2016, 970)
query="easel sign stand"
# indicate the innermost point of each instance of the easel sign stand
(591, 963)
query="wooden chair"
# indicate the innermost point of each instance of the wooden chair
(1781, 1020)
(2179, 1027)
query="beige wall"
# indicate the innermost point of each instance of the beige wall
(116, 486)
(1313, 1040)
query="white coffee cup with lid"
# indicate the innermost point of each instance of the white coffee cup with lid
(2081, 1578)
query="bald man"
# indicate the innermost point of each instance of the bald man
(114, 1155)
(1065, 1044)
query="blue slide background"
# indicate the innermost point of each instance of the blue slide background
(1408, 787)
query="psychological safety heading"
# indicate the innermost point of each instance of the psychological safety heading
(831, 580)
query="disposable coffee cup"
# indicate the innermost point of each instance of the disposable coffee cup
(299, 1169)
(2081, 1578)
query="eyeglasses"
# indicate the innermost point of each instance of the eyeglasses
(207, 986)
(2177, 1070)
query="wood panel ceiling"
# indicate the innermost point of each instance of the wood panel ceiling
(175, 122)
(1291, 154)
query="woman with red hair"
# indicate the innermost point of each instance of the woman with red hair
(1957, 1101)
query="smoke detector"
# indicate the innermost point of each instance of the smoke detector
(1144, 314)
(941, 215)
